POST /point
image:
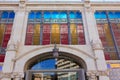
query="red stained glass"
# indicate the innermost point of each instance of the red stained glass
(81, 36)
(30, 28)
(29, 35)
(64, 33)
(2, 58)
(5, 40)
(46, 34)
(8, 29)
(116, 31)
(107, 56)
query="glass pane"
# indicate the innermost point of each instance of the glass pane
(8, 29)
(63, 15)
(55, 15)
(5, 14)
(112, 15)
(72, 15)
(0, 68)
(97, 15)
(117, 14)
(38, 15)
(45, 64)
(5, 40)
(12, 15)
(46, 34)
(31, 15)
(2, 56)
(55, 34)
(78, 15)
(73, 31)
(106, 36)
(29, 34)
(64, 33)
(47, 15)
(2, 29)
(36, 35)
(81, 36)
(55, 76)
(103, 15)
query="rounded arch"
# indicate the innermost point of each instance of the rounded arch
(62, 55)
(75, 53)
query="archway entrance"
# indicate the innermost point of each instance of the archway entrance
(64, 67)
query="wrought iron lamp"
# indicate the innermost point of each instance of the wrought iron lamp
(55, 51)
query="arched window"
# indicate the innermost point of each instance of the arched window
(60, 27)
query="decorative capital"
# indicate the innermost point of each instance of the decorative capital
(22, 4)
(96, 44)
(98, 73)
(16, 75)
(5, 75)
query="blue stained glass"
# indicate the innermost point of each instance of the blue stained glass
(117, 14)
(103, 15)
(112, 15)
(38, 15)
(97, 15)
(63, 15)
(46, 64)
(12, 15)
(78, 15)
(108, 66)
(0, 68)
(5, 14)
(31, 15)
(55, 15)
(72, 15)
(47, 15)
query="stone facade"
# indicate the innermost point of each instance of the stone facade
(18, 54)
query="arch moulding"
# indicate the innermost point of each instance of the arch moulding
(24, 58)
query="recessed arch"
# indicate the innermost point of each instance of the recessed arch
(62, 55)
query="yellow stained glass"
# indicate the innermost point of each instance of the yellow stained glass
(115, 65)
(73, 31)
(2, 29)
(55, 34)
(108, 35)
(118, 26)
(36, 35)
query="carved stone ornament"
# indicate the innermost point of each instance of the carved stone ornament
(97, 45)
(12, 46)
(5, 75)
(16, 75)
(22, 4)
(93, 73)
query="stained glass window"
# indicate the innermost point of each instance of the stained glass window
(60, 27)
(108, 25)
(6, 22)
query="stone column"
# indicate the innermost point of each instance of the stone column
(95, 42)
(14, 43)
